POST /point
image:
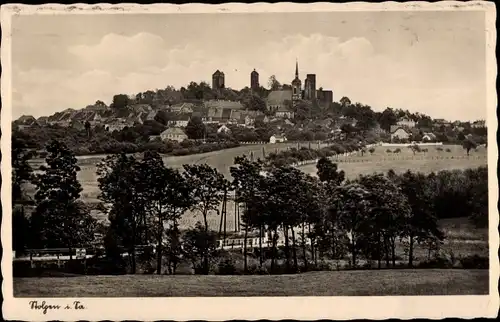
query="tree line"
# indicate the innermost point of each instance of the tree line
(323, 216)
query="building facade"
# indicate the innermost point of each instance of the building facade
(310, 87)
(324, 96)
(218, 80)
(254, 80)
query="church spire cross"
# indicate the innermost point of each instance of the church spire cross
(296, 68)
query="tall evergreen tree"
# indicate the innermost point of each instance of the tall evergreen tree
(60, 219)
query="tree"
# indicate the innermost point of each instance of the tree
(206, 185)
(351, 204)
(21, 170)
(246, 181)
(200, 247)
(168, 197)
(388, 212)
(273, 83)
(387, 118)
(195, 128)
(122, 189)
(163, 117)
(469, 145)
(327, 171)
(415, 148)
(255, 103)
(20, 230)
(371, 150)
(88, 128)
(421, 224)
(60, 220)
(120, 101)
(345, 101)
(477, 192)
(347, 129)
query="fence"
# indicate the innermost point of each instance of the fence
(286, 142)
(407, 144)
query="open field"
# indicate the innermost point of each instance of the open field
(432, 161)
(354, 165)
(222, 160)
(340, 283)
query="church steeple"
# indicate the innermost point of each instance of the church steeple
(296, 85)
(296, 68)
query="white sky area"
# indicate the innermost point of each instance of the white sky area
(428, 62)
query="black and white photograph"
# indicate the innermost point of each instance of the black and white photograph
(244, 156)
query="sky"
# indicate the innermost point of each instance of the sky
(427, 62)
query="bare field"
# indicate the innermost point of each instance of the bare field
(339, 283)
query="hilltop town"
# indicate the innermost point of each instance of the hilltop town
(162, 119)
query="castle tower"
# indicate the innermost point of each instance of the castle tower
(296, 85)
(217, 80)
(310, 87)
(254, 80)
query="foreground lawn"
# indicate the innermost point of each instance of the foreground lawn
(340, 283)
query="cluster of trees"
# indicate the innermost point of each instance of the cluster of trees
(327, 216)
(194, 92)
(60, 219)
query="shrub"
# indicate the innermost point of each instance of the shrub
(474, 262)
(437, 262)
(388, 151)
(448, 150)
(226, 267)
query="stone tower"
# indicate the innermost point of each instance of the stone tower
(310, 87)
(218, 80)
(254, 80)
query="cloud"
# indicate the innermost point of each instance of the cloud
(351, 67)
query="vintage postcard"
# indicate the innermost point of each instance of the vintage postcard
(264, 161)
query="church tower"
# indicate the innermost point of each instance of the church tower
(296, 85)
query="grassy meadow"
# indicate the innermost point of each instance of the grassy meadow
(431, 161)
(338, 283)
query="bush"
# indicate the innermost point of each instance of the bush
(448, 150)
(388, 151)
(437, 262)
(474, 262)
(226, 267)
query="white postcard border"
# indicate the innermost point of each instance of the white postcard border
(251, 308)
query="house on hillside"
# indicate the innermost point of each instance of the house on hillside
(115, 126)
(223, 104)
(285, 112)
(277, 139)
(179, 120)
(399, 132)
(185, 108)
(26, 122)
(78, 125)
(223, 129)
(442, 122)
(429, 137)
(43, 120)
(174, 134)
(218, 116)
(406, 122)
(478, 124)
